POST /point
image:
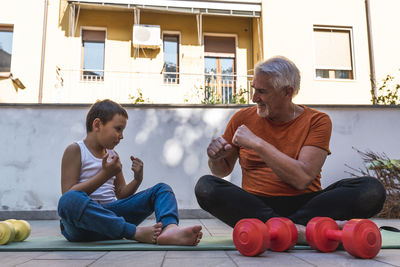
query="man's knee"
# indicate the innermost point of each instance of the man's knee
(205, 187)
(373, 195)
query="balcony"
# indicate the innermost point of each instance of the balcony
(86, 86)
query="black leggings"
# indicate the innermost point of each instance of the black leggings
(346, 199)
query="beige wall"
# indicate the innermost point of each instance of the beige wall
(386, 38)
(120, 55)
(27, 18)
(288, 31)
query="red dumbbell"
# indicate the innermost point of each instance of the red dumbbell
(360, 237)
(252, 237)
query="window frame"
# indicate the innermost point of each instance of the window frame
(349, 29)
(8, 28)
(81, 64)
(221, 55)
(179, 56)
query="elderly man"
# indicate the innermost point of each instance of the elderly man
(281, 148)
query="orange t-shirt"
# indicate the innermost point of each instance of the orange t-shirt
(311, 128)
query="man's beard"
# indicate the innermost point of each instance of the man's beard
(262, 110)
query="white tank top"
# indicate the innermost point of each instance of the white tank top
(89, 168)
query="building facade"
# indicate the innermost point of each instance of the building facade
(167, 51)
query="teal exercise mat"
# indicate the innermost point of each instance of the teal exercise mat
(58, 243)
(390, 239)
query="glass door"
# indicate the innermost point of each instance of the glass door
(219, 79)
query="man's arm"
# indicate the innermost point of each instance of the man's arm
(71, 166)
(299, 173)
(222, 157)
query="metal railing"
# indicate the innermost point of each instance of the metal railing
(166, 87)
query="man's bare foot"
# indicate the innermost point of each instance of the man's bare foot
(181, 236)
(301, 233)
(148, 234)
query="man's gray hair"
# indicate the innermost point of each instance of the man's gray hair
(283, 71)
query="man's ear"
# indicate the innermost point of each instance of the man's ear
(289, 91)
(96, 124)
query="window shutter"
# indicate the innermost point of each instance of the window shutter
(219, 45)
(93, 36)
(333, 49)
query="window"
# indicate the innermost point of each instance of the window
(171, 58)
(93, 55)
(333, 53)
(219, 70)
(6, 36)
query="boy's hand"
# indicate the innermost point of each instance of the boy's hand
(111, 165)
(137, 168)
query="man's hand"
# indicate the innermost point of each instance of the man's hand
(218, 148)
(245, 138)
(137, 168)
(111, 165)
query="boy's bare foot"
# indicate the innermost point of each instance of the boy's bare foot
(181, 236)
(301, 233)
(148, 234)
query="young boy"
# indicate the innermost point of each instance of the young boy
(97, 204)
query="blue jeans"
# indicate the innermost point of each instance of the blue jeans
(83, 219)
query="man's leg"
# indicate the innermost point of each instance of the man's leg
(230, 203)
(83, 219)
(346, 199)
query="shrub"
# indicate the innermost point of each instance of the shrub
(387, 171)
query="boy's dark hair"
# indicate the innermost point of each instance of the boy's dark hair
(105, 111)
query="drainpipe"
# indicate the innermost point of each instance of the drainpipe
(40, 98)
(371, 52)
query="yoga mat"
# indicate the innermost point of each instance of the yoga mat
(56, 243)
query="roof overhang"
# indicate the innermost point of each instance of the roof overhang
(246, 8)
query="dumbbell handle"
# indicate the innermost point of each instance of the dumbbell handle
(273, 234)
(334, 235)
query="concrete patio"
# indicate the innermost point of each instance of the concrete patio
(213, 227)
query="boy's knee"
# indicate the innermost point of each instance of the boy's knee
(72, 202)
(204, 188)
(163, 187)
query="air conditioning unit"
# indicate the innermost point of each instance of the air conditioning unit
(146, 36)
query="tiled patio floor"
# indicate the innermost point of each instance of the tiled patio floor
(386, 257)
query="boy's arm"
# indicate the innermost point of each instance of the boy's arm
(71, 167)
(123, 190)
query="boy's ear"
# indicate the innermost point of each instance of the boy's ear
(96, 124)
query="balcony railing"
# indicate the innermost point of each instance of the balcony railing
(86, 86)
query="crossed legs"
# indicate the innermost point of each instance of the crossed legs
(346, 199)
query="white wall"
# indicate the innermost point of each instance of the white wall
(386, 41)
(26, 17)
(171, 141)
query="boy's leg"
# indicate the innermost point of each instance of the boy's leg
(230, 203)
(161, 199)
(346, 199)
(83, 219)
(136, 208)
